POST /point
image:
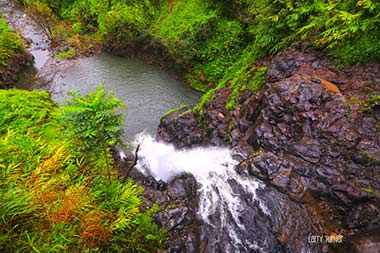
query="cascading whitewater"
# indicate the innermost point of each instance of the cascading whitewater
(221, 206)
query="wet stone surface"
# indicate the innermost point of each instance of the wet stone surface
(307, 137)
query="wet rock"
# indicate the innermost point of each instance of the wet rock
(353, 193)
(9, 74)
(305, 124)
(261, 228)
(327, 175)
(367, 242)
(312, 141)
(282, 67)
(363, 215)
(188, 133)
(178, 208)
(172, 218)
(308, 152)
(182, 189)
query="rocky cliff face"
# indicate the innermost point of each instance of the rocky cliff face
(312, 134)
(10, 73)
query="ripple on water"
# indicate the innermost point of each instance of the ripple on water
(147, 91)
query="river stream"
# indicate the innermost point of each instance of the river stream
(228, 202)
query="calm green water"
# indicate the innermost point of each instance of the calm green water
(146, 90)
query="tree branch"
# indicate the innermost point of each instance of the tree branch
(135, 160)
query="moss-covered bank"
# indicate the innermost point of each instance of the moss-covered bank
(217, 43)
(13, 57)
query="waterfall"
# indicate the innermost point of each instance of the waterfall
(223, 192)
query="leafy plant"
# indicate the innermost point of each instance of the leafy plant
(51, 198)
(64, 55)
(122, 25)
(93, 122)
(10, 43)
(340, 27)
(371, 103)
(174, 110)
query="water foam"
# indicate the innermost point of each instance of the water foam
(214, 170)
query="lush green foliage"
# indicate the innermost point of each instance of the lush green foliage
(92, 121)
(195, 33)
(46, 15)
(240, 76)
(347, 29)
(217, 42)
(123, 24)
(65, 55)
(198, 36)
(10, 43)
(183, 38)
(207, 36)
(53, 198)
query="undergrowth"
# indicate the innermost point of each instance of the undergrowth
(54, 195)
(65, 55)
(10, 43)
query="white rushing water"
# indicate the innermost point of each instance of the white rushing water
(213, 168)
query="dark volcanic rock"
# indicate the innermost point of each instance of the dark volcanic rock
(310, 140)
(273, 232)
(188, 133)
(178, 210)
(368, 242)
(177, 202)
(182, 128)
(329, 150)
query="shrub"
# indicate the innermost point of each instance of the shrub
(52, 199)
(183, 26)
(220, 50)
(85, 13)
(330, 25)
(64, 55)
(203, 41)
(10, 43)
(124, 24)
(92, 121)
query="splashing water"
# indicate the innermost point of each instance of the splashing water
(214, 169)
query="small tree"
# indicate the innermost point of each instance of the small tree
(43, 17)
(93, 124)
